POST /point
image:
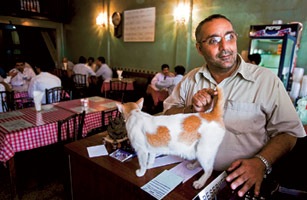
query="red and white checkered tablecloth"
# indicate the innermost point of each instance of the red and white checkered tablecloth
(41, 130)
(41, 127)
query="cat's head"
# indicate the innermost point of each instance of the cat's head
(126, 108)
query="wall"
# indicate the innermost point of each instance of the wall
(174, 44)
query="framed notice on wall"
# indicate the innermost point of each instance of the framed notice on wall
(139, 25)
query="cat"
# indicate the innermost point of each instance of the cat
(193, 136)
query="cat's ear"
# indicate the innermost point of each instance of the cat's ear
(119, 107)
(140, 103)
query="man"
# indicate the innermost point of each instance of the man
(91, 63)
(21, 74)
(179, 73)
(261, 121)
(44, 80)
(254, 58)
(103, 70)
(82, 68)
(161, 81)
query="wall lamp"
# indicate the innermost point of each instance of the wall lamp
(181, 13)
(101, 19)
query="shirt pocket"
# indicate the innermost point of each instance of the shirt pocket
(244, 118)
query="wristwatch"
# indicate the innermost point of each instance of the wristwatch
(268, 167)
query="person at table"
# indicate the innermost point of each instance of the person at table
(21, 74)
(179, 73)
(254, 58)
(82, 68)
(162, 80)
(104, 72)
(44, 80)
(261, 123)
(67, 65)
(91, 63)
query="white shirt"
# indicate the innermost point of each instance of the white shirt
(105, 72)
(160, 81)
(43, 81)
(22, 78)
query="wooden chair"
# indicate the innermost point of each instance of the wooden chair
(80, 85)
(53, 95)
(7, 101)
(57, 94)
(117, 90)
(73, 127)
(104, 121)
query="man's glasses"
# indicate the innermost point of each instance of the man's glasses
(215, 40)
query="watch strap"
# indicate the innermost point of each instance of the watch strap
(268, 167)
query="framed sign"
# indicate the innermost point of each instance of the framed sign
(139, 25)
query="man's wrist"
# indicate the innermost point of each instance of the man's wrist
(268, 166)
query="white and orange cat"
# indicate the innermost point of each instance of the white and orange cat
(194, 136)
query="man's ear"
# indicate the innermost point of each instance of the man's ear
(198, 47)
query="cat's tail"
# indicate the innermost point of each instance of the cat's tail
(217, 111)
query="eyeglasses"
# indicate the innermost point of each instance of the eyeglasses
(215, 40)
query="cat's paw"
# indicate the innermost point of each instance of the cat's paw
(198, 184)
(140, 172)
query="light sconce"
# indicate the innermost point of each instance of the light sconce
(181, 13)
(101, 19)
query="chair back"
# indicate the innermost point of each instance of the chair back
(117, 90)
(80, 85)
(80, 80)
(7, 101)
(53, 95)
(57, 94)
(71, 128)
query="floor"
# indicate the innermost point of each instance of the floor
(39, 177)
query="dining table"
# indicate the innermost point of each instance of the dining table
(27, 129)
(105, 87)
(157, 95)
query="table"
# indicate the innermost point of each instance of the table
(26, 129)
(106, 84)
(157, 95)
(107, 178)
(93, 115)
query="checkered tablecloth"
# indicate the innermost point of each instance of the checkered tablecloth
(27, 129)
(106, 85)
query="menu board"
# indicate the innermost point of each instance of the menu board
(139, 25)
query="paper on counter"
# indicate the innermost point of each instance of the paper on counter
(182, 171)
(98, 150)
(166, 160)
(162, 184)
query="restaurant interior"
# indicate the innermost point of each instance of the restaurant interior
(135, 37)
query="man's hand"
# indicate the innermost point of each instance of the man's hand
(246, 173)
(202, 100)
(13, 73)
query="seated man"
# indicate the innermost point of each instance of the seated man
(44, 80)
(21, 74)
(179, 71)
(163, 79)
(82, 68)
(103, 70)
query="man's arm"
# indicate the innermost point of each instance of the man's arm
(249, 172)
